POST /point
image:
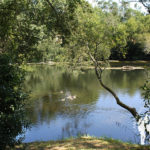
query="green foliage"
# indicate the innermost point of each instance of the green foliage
(18, 34)
(28, 25)
(66, 30)
(92, 35)
(146, 43)
(59, 16)
(11, 102)
(138, 48)
(146, 93)
(51, 49)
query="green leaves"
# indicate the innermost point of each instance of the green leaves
(12, 98)
(146, 93)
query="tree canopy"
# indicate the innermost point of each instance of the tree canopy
(63, 30)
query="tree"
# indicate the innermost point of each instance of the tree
(85, 33)
(12, 97)
(21, 24)
(18, 34)
(95, 38)
(18, 38)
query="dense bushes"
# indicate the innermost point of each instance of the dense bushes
(12, 98)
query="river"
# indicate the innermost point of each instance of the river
(67, 102)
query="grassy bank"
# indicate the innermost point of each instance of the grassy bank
(82, 143)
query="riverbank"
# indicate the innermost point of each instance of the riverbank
(79, 143)
(113, 65)
(112, 62)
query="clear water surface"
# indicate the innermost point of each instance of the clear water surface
(67, 102)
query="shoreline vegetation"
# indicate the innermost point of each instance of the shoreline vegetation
(81, 143)
(114, 64)
(66, 30)
(90, 62)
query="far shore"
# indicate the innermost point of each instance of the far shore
(123, 65)
(90, 62)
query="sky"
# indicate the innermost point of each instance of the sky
(131, 4)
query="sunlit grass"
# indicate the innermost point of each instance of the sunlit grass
(82, 142)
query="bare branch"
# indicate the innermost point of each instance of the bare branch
(144, 3)
(98, 71)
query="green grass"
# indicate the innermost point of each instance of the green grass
(81, 143)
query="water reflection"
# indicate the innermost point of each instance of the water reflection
(92, 111)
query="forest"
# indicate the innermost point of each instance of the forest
(42, 30)
(73, 31)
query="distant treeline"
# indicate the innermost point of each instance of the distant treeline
(129, 33)
(44, 30)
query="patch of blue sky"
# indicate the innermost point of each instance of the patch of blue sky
(138, 5)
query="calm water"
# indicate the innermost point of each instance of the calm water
(93, 111)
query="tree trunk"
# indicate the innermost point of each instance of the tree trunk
(130, 109)
(98, 71)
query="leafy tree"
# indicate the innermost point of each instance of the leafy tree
(18, 34)
(21, 29)
(147, 44)
(95, 39)
(51, 49)
(17, 42)
(12, 119)
(69, 30)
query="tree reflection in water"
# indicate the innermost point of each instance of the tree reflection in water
(72, 128)
(50, 87)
